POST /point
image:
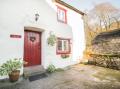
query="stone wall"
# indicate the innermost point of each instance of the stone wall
(106, 49)
(107, 42)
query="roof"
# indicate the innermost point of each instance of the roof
(69, 6)
(106, 35)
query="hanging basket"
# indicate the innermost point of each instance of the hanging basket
(51, 40)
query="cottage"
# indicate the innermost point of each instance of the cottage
(28, 26)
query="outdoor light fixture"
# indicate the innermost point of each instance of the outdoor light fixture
(36, 16)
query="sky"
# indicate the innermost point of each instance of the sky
(84, 5)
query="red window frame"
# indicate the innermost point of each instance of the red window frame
(65, 12)
(61, 51)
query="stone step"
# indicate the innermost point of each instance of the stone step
(33, 70)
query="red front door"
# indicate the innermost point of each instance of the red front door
(32, 48)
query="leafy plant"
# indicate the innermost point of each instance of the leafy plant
(51, 40)
(51, 68)
(9, 66)
(64, 56)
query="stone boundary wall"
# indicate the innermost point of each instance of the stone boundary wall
(105, 60)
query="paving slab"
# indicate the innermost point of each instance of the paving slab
(75, 77)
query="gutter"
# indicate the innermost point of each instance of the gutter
(69, 6)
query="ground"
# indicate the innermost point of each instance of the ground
(76, 77)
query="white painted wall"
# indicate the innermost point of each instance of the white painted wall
(15, 15)
(76, 22)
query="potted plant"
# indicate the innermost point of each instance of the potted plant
(12, 69)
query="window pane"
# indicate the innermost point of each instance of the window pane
(61, 13)
(66, 45)
(63, 46)
(60, 45)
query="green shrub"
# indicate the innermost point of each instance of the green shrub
(9, 66)
(51, 68)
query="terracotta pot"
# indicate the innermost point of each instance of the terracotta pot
(14, 75)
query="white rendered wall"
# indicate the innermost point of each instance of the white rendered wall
(76, 22)
(17, 14)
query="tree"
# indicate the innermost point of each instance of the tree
(103, 17)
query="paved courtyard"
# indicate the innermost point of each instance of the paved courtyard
(75, 77)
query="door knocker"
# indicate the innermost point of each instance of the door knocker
(32, 39)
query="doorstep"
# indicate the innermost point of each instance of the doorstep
(33, 70)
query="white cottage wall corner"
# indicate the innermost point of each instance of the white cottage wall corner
(76, 22)
(15, 15)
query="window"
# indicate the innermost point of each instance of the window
(63, 46)
(61, 14)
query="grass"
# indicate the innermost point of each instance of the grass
(108, 74)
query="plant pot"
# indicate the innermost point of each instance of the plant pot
(14, 76)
